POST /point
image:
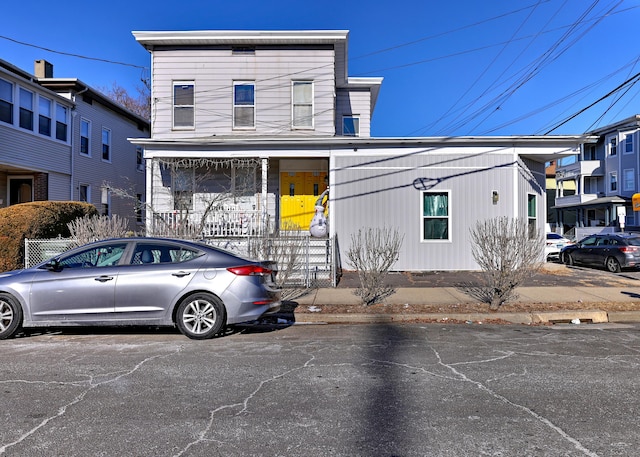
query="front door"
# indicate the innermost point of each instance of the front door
(298, 194)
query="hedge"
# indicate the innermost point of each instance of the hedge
(35, 220)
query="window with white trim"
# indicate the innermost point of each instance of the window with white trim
(85, 137)
(350, 125)
(183, 105)
(613, 146)
(613, 181)
(244, 105)
(26, 109)
(62, 122)
(44, 116)
(302, 104)
(628, 179)
(628, 143)
(435, 216)
(106, 144)
(532, 215)
(6, 101)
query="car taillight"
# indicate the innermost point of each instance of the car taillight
(250, 270)
(628, 249)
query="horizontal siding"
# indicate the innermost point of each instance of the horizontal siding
(30, 151)
(214, 72)
(354, 103)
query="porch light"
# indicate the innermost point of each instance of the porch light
(495, 197)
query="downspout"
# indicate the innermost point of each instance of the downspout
(74, 114)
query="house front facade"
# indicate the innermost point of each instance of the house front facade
(249, 128)
(605, 176)
(60, 139)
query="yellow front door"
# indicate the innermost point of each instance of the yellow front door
(298, 194)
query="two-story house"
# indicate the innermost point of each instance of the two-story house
(605, 176)
(60, 139)
(249, 127)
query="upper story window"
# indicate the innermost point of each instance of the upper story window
(350, 126)
(6, 101)
(183, 105)
(44, 116)
(62, 122)
(302, 101)
(613, 146)
(243, 50)
(244, 106)
(628, 143)
(613, 181)
(628, 180)
(106, 144)
(85, 137)
(26, 109)
(435, 216)
(139, 159)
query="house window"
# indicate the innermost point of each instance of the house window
(106, 145)
(183, 105)
(84, 193)
(139, 159)
(85, 137)
(350, 126)
(628, 180)
(613, 146)
(6, 101)
(244, 107)
(44, 116)
(435, 216)
(26, 109)
(532, 212)
(139, 207)
(183, 189)
(628, 143)
(62, 122)
(613, 181)
(302, 98)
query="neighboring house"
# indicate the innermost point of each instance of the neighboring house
(248, 128)
(605, 176)
(553, 225)
(60, 139)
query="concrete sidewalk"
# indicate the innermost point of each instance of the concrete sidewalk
(450, 296)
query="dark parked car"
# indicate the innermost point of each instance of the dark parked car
(139, 281)
(613, 251)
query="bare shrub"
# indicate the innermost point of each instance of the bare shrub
(372, 252)
(94, 228)
(288, 252)
(508, 252)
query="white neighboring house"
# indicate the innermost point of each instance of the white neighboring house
(62, 140)
(249, 127)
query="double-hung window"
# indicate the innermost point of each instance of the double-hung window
(532, 217)
(26, 109)
(350, 126)
(85, 137)
(6, 101)
(139, 158)
(613, 181)
(244, 105)
(106, 144)
(613, 146)
(62, 122)
(44, 116)
(183, 105)
(302, 104)
(628, 143)
(436, 218)
(628, 180)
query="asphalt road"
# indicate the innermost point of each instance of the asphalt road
(361, 390)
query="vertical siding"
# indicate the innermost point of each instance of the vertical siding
(214, 71)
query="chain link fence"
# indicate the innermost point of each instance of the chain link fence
(37, 251)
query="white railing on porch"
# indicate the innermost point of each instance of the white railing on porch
(216, 223)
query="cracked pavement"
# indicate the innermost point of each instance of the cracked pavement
(330, 390)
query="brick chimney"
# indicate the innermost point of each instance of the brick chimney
(43, 69)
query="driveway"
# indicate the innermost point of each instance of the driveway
(362, 390)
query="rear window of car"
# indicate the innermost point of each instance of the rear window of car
(633, 241)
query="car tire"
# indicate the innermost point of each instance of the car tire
(201, 316)
(567, 259)
(613, 265)
(10, 316)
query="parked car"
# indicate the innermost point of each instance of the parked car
(554, 245)
(140, 281)
(613, 251)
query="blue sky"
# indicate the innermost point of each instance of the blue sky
(456, 67)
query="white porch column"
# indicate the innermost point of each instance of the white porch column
(264, 195)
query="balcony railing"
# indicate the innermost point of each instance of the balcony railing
(581, 168)
(572, 200)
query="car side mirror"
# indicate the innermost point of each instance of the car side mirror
(53, 265)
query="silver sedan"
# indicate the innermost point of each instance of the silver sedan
(140, 281)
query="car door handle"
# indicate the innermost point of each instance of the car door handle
(104, 278)
(180, 274)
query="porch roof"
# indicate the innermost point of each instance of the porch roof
(602, 201)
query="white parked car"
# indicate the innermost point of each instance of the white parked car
(554, 245)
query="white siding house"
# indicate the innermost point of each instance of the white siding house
(60, 139)
(249, 127)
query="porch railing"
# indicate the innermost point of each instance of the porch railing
(224, 223)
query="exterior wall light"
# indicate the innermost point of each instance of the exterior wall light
(495, 197)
